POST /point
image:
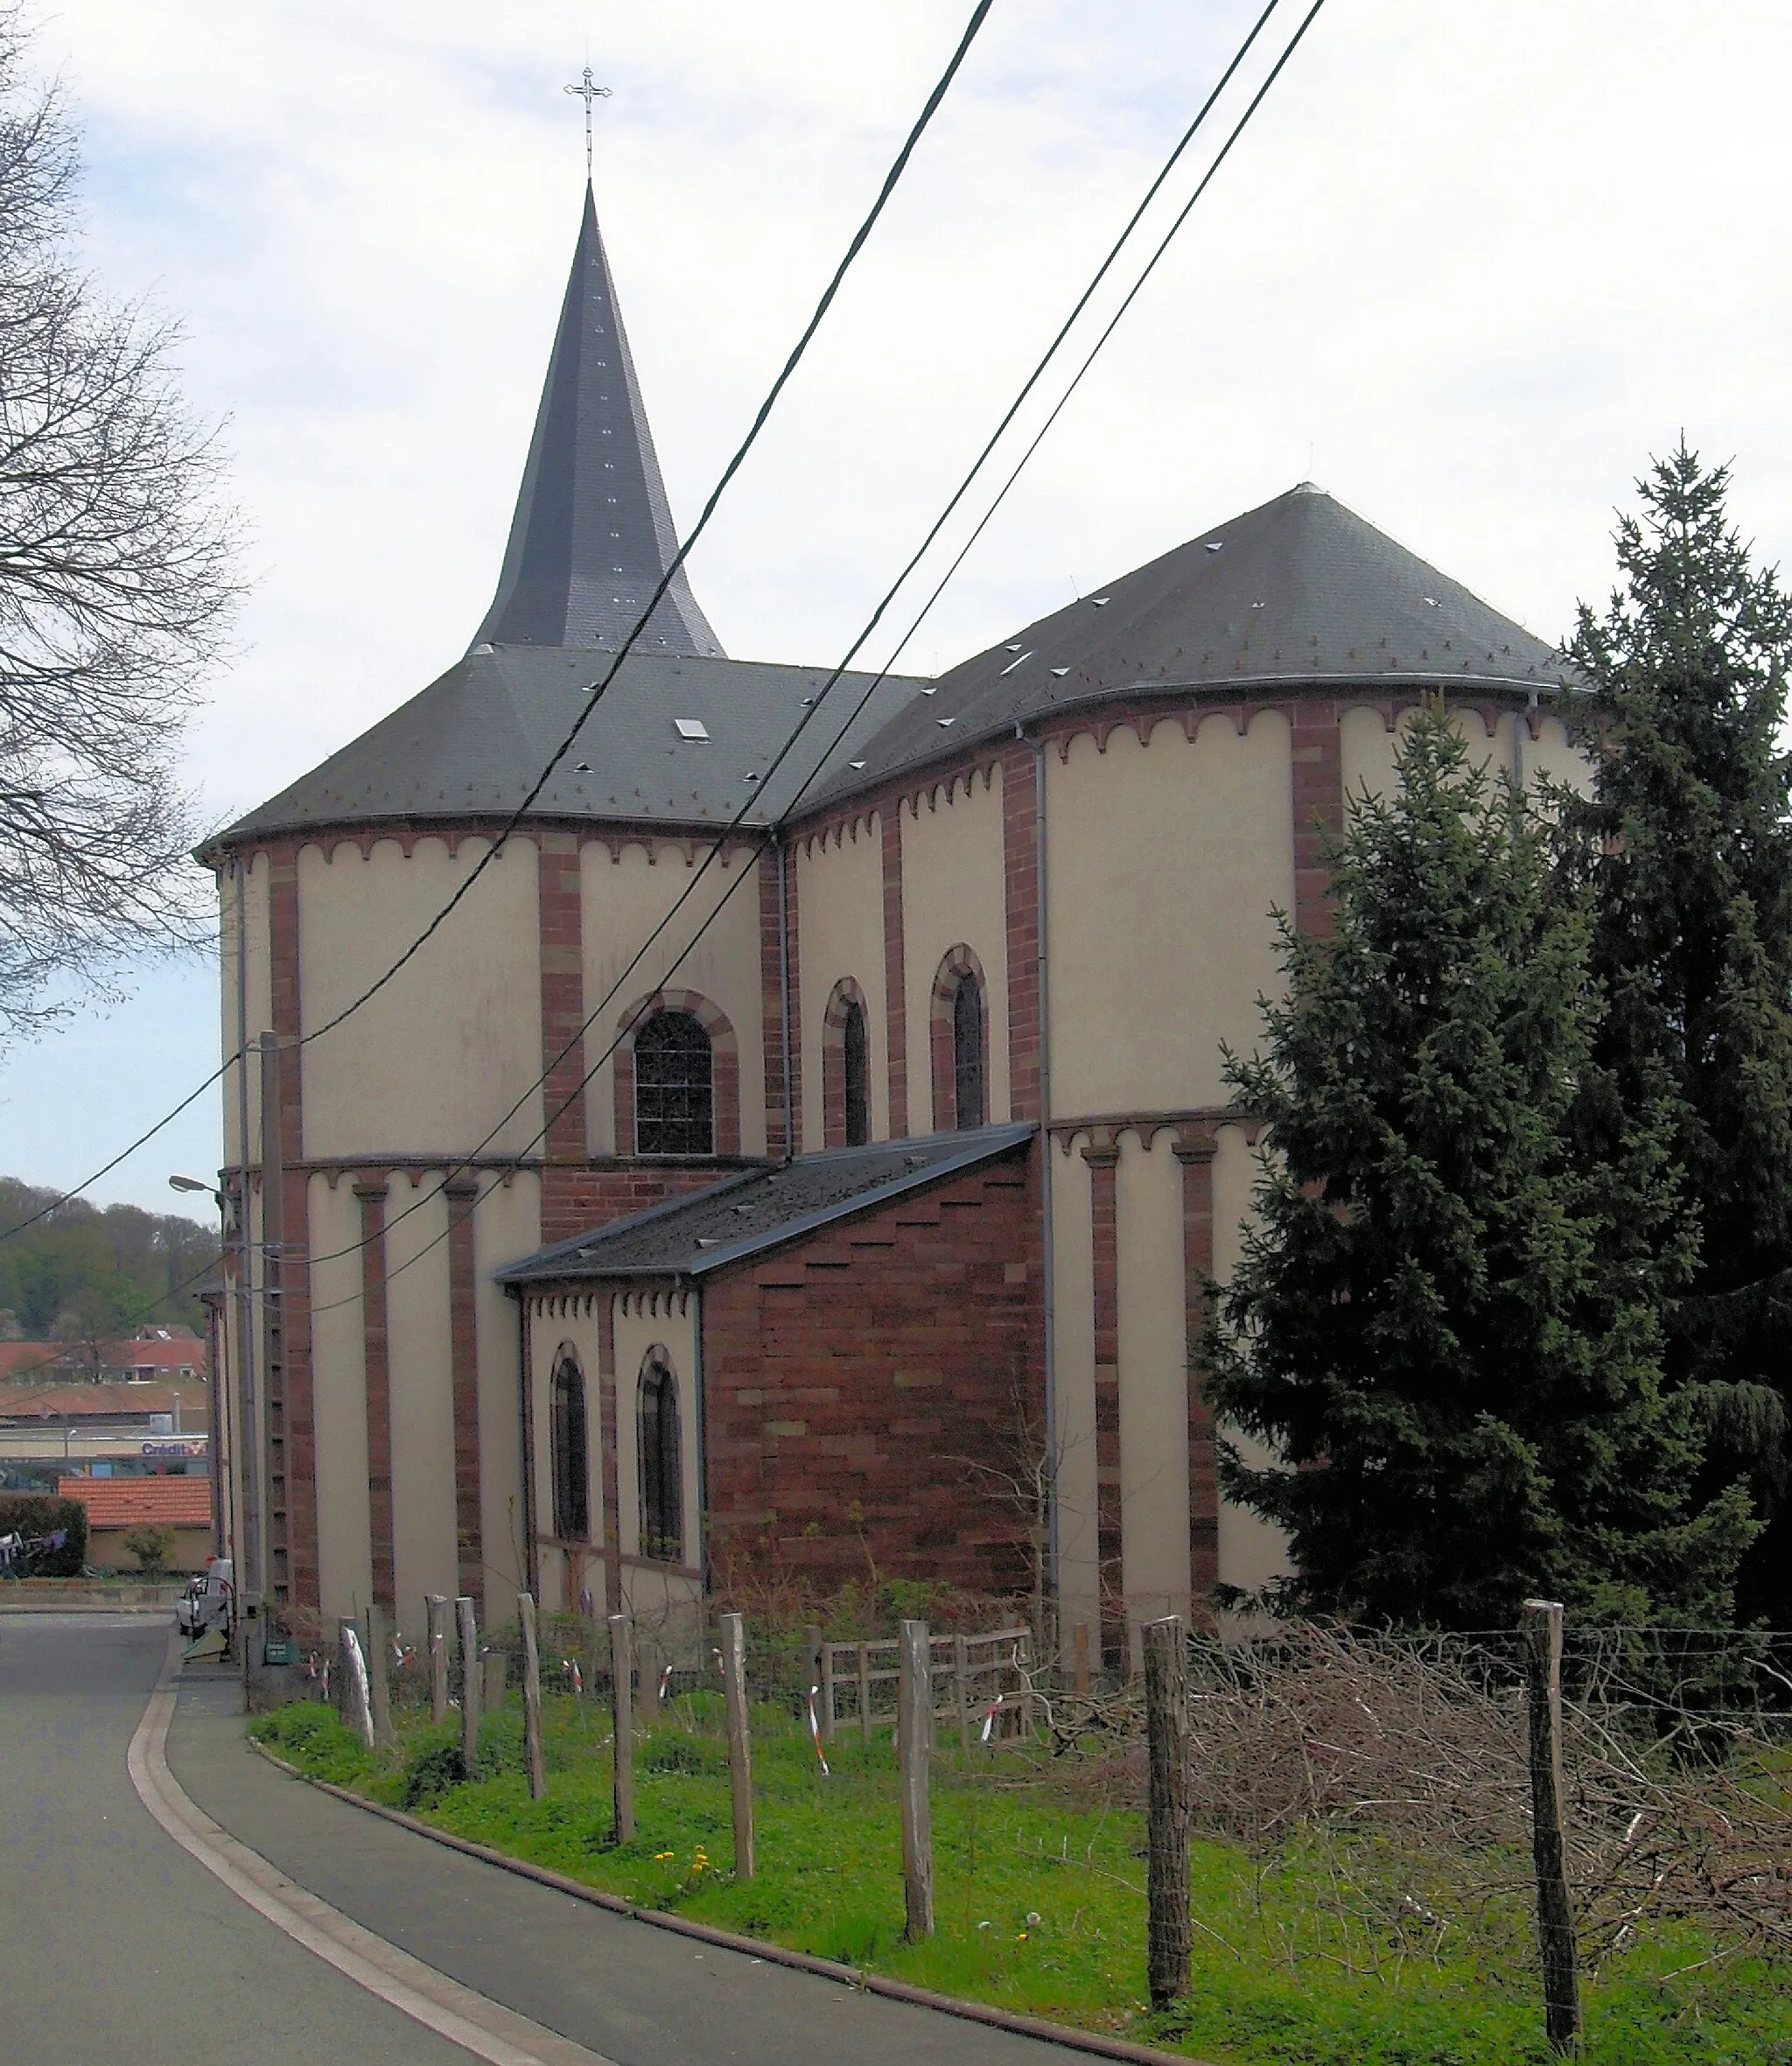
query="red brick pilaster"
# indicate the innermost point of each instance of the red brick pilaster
(607, 1461)
(778, 939)
(371, 1191)
(895, 994)
(1103, 1156)
(1317, 777)
(292, 1472)
(464, 1366)
(1195, 1151)
(561, 906)
(1020, 878)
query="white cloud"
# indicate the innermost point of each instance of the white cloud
(1477, 262)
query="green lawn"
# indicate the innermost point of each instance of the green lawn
(1040, 1901)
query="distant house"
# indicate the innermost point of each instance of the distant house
(116, 1505)
(159, 1356)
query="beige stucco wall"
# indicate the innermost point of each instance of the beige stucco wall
(1074, 1379)
(623, 899)
(1367, 747)
(189, 1552)
(339, 1396)
(840, 924)
(507, 1227)
(1154, 1381)
(259, 1017)
(1162, 865)
(425, 1554)
(953, 892)
(434, 1061)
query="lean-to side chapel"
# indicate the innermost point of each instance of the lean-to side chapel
(592, 1265)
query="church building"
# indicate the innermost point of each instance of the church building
(777, 1134)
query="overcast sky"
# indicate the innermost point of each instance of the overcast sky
(1467, 268)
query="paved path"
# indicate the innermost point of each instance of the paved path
(115, 1945)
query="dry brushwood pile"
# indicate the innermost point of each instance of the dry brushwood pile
(1395, 1769)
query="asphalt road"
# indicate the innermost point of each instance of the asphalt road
(115, 1945)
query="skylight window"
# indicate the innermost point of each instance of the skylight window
(690, 728)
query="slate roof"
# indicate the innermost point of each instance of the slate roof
(474, 743)
(763, 1208)
(593, 532)
(1301, 591)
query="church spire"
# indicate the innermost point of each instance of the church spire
(592, 532)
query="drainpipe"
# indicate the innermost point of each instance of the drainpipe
(525, 1395)
(700, 1416)
(784, 1002)
(1048, 1271)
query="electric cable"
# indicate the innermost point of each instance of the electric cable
(838, 673)
(899, 165)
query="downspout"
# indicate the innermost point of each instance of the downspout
(525, 1398)
(700, 1416)
(247, 1506)
(784, 1002)
(1048, 1271)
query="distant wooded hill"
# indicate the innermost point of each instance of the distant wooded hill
(87, 1274)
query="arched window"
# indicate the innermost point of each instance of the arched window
(566, 1429)
(674, 1093)
(856, 1068)
(656, 1434)
(967, 1053)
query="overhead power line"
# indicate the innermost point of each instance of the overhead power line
(899, 165)
(717, 847)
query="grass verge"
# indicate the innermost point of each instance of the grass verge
(1040, 1899)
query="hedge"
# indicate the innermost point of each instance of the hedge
(41, 1513)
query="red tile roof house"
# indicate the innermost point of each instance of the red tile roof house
(116, 1505)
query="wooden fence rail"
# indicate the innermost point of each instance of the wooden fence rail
(982, 1685)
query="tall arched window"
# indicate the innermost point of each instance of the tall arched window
(673, 1092)
(656, 1435)
(856, 1067)
(967, 1054)
(566, 1431)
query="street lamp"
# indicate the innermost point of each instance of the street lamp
(193, 1183)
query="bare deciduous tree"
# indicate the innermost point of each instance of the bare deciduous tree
(116, 580)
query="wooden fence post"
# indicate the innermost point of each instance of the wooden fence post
(864, 1691)
(1169, 1933)
(468, 1624)
(960, 1684)
(914, 1741)
(531, 1698)
(436, 1620)
(379, 1663)
(827, 1692)
(733, 1633)
(356, 1712)
(622, 1733)
(1540, 1623)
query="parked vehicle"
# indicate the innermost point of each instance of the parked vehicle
(209, 1600)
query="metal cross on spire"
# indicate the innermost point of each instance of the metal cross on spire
(588, 92)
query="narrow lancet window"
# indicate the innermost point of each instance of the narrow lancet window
(855, 1055)
(968, 1054)
(572, 1498)
(656, 1431)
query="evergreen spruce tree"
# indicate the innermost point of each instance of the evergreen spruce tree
(1686, 846)
(1446, 1323)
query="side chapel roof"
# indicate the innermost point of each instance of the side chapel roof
(1300, 592)
(762, 1209)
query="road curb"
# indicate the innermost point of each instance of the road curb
(826, 1969)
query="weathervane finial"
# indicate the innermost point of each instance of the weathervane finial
(588, 92)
